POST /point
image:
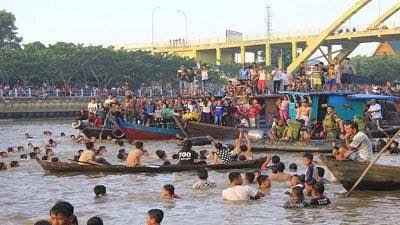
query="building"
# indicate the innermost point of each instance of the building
(387, 48)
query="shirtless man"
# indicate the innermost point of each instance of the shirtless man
(88, 156)
(281, 175)
(243, 149)
(135, 155)
(304, 113)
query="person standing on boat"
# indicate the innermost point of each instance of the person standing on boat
(304, 112)
(348, 72)
(360, 143)
(277, 77)
(336, 65)
(331, 123)
(92, 106)
(375, 111)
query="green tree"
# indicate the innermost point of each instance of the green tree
(8, 31)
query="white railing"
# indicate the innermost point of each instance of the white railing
(276, 36)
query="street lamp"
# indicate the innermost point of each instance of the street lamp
(184, 14)
(152, 26)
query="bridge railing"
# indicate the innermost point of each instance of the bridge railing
(275, 36)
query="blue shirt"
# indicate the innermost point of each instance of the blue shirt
(219, 110)
(245, 73)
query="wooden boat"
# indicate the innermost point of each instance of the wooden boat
(378, 178)
(63, 167)
(121, 129)
(320, 146)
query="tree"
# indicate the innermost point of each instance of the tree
(8, 31)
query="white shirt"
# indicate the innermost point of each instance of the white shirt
(285, 78)
(276, 74)
(263, 75)
(376, 115)
(92, 107)
(204, 75)
(363, 145)
(239, 193)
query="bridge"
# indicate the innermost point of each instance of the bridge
(302, 46)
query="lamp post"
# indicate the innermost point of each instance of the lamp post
(152, 26)
(186, 34)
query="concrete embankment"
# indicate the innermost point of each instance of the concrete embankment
(19, 108)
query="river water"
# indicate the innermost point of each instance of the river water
(27, 193)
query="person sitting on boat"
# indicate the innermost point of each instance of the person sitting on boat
(87, 157)
(192, 116)
(277, 131)
(83, 116)
(317, 130)
(203, 183)
(101, 152)
(292, 132)
(281, 175)
(331, 123)
(360, 143)
(239, 192)
(163, 157)
(187, 156)
(135, 155)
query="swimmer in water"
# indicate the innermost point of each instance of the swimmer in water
(27, 136)
(168, 192)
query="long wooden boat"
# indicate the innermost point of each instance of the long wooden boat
(378, 178)
(63, 167)
(320, 146)
(193, 129)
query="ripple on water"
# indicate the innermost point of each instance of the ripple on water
(28, 193)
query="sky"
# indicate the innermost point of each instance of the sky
(105, 22)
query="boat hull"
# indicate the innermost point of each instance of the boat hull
(319, 146)
(378, 178)
(193, 129)
(62, 167)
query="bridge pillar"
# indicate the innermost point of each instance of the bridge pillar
(242, 54)
(280, 58)
(256, 56)
(268, 55)
(294, 51)
(329, 54)
(218, 56)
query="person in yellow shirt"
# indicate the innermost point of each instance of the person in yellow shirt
(193, 116)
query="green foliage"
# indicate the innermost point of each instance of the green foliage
(67, 63)
(8, 34)
(377, 69)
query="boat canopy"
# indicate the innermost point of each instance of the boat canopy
(368, 97)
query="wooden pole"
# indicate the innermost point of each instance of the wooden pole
(371, 164)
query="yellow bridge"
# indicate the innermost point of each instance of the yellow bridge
(222, 50)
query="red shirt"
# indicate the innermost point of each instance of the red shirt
(98, 122)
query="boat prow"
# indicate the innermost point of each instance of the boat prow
(378, 178)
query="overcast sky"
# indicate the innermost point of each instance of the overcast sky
(128, 21)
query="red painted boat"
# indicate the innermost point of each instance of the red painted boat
(138, 132)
